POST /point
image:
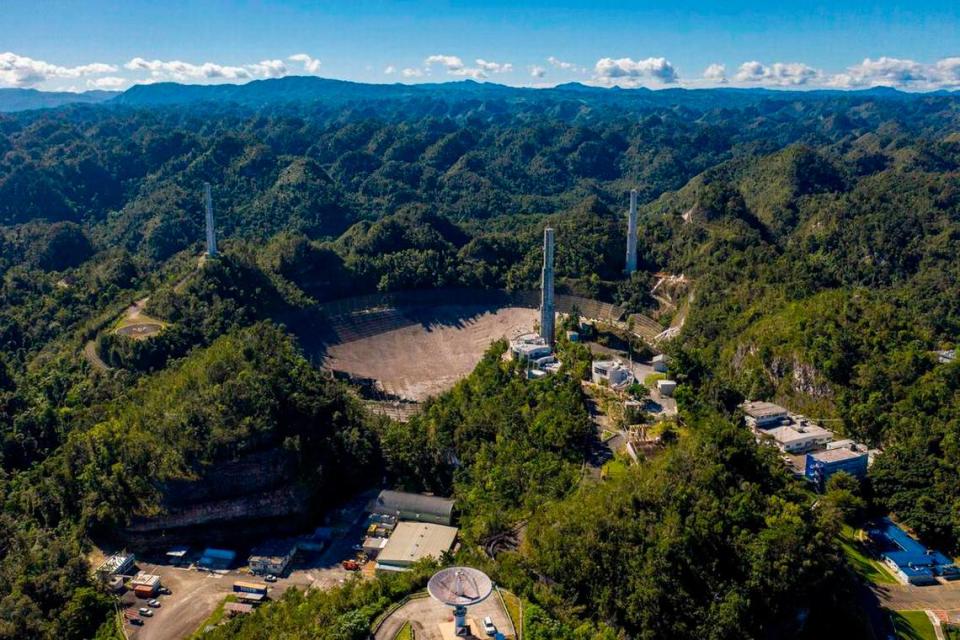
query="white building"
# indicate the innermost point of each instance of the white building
(612, 372)
(797, 438)
(529, 346)
(272, 557)
(760, 415)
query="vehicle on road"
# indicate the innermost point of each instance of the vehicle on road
(270, 578)
(488, 627)
(146, 613)
(153, 603)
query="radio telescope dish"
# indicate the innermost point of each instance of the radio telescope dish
(460, 587)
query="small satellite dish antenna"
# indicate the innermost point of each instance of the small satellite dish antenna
(460, 588)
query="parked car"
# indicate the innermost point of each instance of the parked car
(137, 622)
(488, 627)
(351, 565)
(269, 578)
(165, 591)
(153, 603)
(146, 613)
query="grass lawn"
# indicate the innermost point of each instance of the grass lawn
(215, 618)
(912, 625)
(863, 564)
(405, 633)
(615, 468)
(513, 608)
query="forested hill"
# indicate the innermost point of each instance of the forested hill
(325, 91)
(819, 231)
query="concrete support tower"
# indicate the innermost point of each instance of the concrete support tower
(632, 234)
(211, 233)
(547, 315)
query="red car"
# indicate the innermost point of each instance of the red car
(351, 565)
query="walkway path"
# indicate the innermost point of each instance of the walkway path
(90, 353)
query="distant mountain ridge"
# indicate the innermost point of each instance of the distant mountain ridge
(306, 89)
(27, 99)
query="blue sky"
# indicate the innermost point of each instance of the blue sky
(78, 45)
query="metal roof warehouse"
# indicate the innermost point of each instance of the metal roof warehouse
(413, 506)
(413, 541)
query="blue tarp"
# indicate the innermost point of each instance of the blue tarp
(217, 558)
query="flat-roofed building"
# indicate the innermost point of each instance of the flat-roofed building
(797, 438)
(910, 561)
(760, 415)
(530, 346)
(413, 541)
(666, 387)
(820, 465)
(413, 506)
(612, 372)
(145, 585)
(661, 363)
(272, 557)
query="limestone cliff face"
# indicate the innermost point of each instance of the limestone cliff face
(788, 373)
(257, 487)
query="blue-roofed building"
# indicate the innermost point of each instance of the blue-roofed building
(909, 560)
(217, 559)
(820, 465)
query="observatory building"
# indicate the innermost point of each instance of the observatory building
(632, 234)
(547, 311)
(460, 588)
(211, 232)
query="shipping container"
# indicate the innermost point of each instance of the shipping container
(250, 587)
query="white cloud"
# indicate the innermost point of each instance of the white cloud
(455, 66)
(631, 73)
(782, 74)
(390, 70)
(411, 72)
(310, 64)
(715, 73)
(108, 83)
(452, 63)
(560, 64)
(186, 71)
(494, 67)
(21, 71)
(537, 72)
(949, 70)
(903, 73)
(180, 70)
(268, 69)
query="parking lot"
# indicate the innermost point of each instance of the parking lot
(196, 593)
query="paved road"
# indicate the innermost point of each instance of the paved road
(901, 597)
(90, 353)
(426, 615)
